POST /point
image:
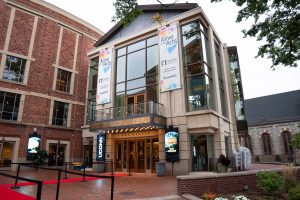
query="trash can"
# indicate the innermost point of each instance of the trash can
(160, 168)
(99, 167)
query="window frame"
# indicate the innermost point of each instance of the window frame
(65, 122)
(59, 81)
(267, 148)
(286, 140)
(21, 76)
(16, 108)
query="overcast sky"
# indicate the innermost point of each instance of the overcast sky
(257, 76)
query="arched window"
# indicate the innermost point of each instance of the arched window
(266, 143)
(286, 137)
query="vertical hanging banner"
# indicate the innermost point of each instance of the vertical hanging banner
(104, 76)
(100, 151)
(169, 58)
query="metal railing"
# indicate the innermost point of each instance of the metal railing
(129, 110)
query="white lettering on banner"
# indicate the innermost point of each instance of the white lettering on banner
(169, 58)
(104, 76)
(100, 147)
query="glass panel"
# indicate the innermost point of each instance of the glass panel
(151, 41)
(136, 46)
(140, 104)
(121, 52)
(148, 153)
(210, 93)
(136, 91)
(60, 113)
(52, 154)
(130, 105)
(61, 154)
(63, 80)
(14, 69)
(151, 80)
(205, 48)
(152, 93)
(210, 152)
(141, 156)
(119, 155)
(6, 154)
(194, 69)
(136, 65)
(155, 153)
(192, 49)
(199, 149)
(93, 81)
(135, 83)
(120, 104)
(196, 92)
(120, 87)
(131, 154)
(191, 27)
(124, 154)
(121, 69)
(152, 59)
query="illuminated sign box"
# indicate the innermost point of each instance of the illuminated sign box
(33, 145)
(100, 152)
(172, 144)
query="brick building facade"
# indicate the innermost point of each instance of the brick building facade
(43, 76)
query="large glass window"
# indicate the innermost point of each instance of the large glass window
(92, 88)
(9, 105)
(288, 148)
(60, 113)
(136, 76)
(266, 140)
(63, 80)
(221, 80)
(198, 77)
(14, 69)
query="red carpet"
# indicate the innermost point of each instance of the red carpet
(7, 193)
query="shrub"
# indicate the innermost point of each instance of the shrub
(277, 158)
(224, 160)
(257, 159)
(294, 193)
(269, 182)
(289, 176)
(208, 196)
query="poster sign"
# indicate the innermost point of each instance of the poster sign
(33, 144)
(104, 76)
(169, 58)
(100, 153)
(172, 144)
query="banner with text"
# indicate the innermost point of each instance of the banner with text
(104, 76)
(169, 58)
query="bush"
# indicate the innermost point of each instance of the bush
(257, 159)
(224, 160)
(270, 182)
(289, 176)
(277, 158)
(294, 193)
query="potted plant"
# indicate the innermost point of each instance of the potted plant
(41, 156)
(223, 163)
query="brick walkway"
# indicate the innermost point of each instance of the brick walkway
(132, 187)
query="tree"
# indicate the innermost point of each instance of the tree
(276, 25)
(296, 142)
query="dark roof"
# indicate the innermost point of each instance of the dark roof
(151, 7)
(283, 107)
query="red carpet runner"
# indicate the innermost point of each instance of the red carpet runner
(8, 194)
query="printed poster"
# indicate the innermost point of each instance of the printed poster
(169, 58)
(104, 76)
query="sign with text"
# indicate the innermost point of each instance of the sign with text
(100, 152)
(33, 145)
(169, 58)
(104, 76)
(172, 145)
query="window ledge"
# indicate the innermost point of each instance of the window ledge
(13, 82)
(60, 92)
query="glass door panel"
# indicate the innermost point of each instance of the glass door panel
(141, 156)
(118, 157)
(61, 154)
(155, 153)
(200, 158)
(140, 104)
(148, 154)
(6, 153)
(130, 105)
(131, 151)
(56, 155)
(52, 154)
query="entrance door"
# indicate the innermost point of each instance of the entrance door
(140, 150)
(56, 154)
(135, 104)
(202, 153)
(6, 154)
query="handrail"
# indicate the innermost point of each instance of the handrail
(129, 110)
(38, 182)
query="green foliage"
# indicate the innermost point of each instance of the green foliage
(296, 141)
(257, 159)
(294, 193)
(126, 11)
(41, 157)
(289, 175)
(270, 182)
(277, 158)
(277, 24)
(224, 160)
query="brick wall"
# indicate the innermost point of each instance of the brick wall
(219, 183)
(38, 91)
